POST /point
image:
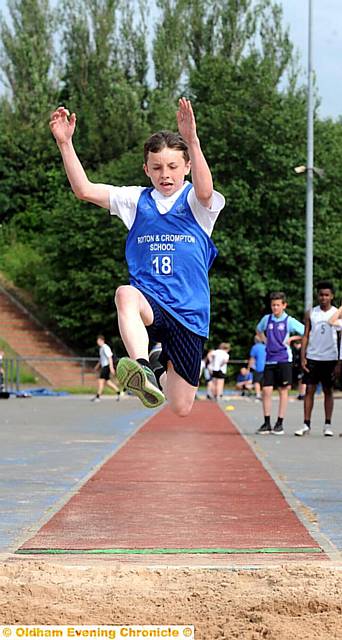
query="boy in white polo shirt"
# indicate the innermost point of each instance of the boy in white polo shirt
(106, 365)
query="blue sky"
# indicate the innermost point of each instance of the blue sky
(327, 46)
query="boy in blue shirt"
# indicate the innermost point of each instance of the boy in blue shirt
(244, 381)
(256, 364)
(275, 330)
(169, 252)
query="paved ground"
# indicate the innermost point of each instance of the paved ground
(50, 446)
(310, 468)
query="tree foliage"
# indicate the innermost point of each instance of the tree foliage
(231, 58)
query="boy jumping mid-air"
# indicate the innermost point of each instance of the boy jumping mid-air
(169, 253)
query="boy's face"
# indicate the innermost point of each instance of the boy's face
(166, 170)
(100, 342)
(325, 298)
(278, 307)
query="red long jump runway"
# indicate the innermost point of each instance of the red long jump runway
(179, 485)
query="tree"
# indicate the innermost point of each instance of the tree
(26, 57)
(328, 204)
(83, 256)
(96, 86)
(26, 62)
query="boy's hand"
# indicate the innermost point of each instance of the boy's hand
(303, 364)
(62, 128)
(186, 121)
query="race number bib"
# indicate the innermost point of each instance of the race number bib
(162, 265)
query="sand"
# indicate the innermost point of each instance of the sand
(282, 603)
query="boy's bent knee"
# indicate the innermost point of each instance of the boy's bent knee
(124, 293)
(181, 409)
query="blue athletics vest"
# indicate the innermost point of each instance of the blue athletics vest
(169, 256)
(277, 334)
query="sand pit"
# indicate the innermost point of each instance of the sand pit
(282, 603)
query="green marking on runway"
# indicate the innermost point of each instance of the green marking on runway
(170, 551)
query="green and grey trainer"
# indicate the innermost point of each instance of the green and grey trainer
(141, 381)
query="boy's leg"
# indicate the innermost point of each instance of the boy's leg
(179, 392)
(328, 409)
(309, 396)
(267, 400)
(284, 383)
(100, 386)
(220, 385)
(134, 314)
(210, 389)
(135, 373)
(309, 401)
(283, 400)
(112, 385)
(267, 405)
(328, 402)
(215, 388)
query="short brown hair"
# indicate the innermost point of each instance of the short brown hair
(158, 141)
(278, 295)
(225, 346)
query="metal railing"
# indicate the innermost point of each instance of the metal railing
(61, 372)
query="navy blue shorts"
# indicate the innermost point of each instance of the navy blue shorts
(179, 345)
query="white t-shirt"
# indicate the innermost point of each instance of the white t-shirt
(105, 354)
(322, 338)
(124, 200)
(219, 360)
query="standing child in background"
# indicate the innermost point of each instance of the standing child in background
(1, 370)
(275, 330)
(106, 365)
(208, 374)
(256, 364)
(169, 253)
(319, 357)
(219, 362)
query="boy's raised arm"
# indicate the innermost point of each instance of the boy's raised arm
(200, 172)
(62, 128)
